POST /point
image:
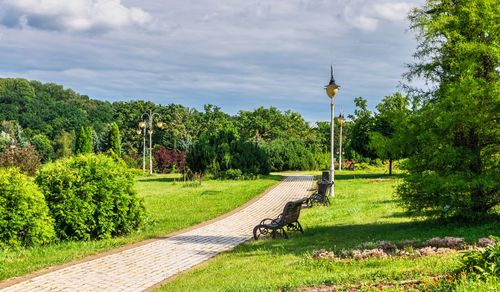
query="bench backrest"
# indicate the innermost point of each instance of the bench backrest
(323, 188)
(325, 175)
(291, 212)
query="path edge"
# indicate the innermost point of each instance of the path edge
(173, 277)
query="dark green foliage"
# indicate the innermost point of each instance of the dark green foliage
(24, 216)
(454, 168)
(361, 128)
(49, 108)
(223, 150)
(25, 158)
(60, 114)
(43, 147)
(115, 140)
(250, 158)
(212, 151)
(290, 155)
(90, 197)
(387, 137)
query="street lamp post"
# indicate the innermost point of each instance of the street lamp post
(331, 89)
(341, 120)
(146, 124)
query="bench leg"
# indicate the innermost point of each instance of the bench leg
(260, 230)
(300, 227)
(284, 232)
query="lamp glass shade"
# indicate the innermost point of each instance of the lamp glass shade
(331, 90)
(142, 124)
(138, 132)
(159, 124)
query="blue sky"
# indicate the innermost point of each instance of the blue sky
(236, 54)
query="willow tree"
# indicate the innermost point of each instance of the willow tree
(454, 167)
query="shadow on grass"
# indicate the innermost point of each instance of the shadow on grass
(345, 176)
(159, 179)
(338, 237)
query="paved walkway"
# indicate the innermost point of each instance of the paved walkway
(144, 266)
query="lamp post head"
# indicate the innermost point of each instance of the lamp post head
(138, 131)
(142, 124)
(341, 119)
(159, 124)
(332, 88)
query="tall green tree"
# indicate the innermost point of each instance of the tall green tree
(454, 169)
(64, 144)
(115, 140)
(83, 142)
(387, 138)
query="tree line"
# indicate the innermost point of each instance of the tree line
(445, 136)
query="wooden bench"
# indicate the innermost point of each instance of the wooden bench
(320, 196)
(289, 219)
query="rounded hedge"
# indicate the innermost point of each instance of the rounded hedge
(91, 197)
(24, 216)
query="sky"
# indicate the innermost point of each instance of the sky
(235, 54)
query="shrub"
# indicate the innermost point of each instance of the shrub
(223, 150)
(234, 174)
(24, 216)
(25, 158)
(168, 160)
(290, 155)
(91, 197)
(482, 262)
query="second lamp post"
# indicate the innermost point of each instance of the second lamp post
(146, 125)
(331, 89)
(341, 120)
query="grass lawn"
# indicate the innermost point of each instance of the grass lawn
(364, 210)
(170, 205)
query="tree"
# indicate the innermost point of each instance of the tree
(388, 136)
(114, 139)
(363, 123)
(454, 168)
(64, 144)
(83, 143)
(43, 147)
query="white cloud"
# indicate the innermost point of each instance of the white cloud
(72, 15)
(236, 54)
(366, 15)
(392, 11)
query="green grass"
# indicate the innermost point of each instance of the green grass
(170, 205)
(363, 210)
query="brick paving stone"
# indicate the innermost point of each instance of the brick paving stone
(144, 266)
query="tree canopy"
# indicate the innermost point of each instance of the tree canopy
(454, 167)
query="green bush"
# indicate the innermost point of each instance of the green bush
(91, 197)
(234, 174)
(43, 147)
(223, 150)
(483, 262)
(24, 216)
(290, 155)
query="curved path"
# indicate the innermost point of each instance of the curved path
(145, 266)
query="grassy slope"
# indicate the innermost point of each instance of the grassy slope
(169, 205)
(364, 210)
